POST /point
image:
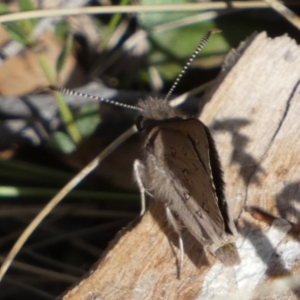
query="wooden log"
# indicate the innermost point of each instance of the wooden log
(254, 115)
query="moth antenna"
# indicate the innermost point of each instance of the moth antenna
(200, 46)
(100, 99)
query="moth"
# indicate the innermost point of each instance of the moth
(181, 168)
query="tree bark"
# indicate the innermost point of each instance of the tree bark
(253, 113)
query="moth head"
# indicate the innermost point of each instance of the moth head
(157, 109)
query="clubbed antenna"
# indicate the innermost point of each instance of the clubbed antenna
(100, 99)
(200, 46)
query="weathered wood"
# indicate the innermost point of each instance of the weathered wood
(253, 113)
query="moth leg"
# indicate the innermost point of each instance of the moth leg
(139, 170)
(176, 226)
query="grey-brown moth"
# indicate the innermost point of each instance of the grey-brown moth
(181, 168)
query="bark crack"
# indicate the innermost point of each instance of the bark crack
(284, 114)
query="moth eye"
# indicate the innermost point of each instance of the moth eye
(186, 196)
(140, 123)
(184, 151)
(173, 151)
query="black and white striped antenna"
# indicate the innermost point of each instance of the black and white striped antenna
(200, 46)
(100, 99)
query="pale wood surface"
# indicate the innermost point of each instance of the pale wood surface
(254, 115)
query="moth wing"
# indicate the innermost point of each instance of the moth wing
(187, 159)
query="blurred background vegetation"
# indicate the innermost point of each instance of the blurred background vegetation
(46, 138)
